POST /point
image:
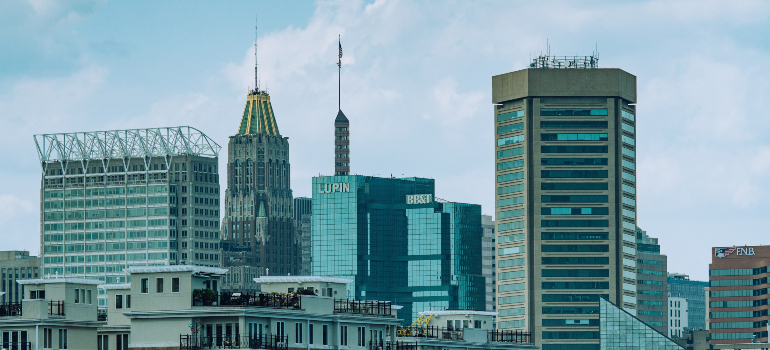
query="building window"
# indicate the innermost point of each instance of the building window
(118, 301)
(145, 286)
(344, 335)
(159, 285)
(298, 333)
(128, 301)
(88, 296)
(102, 342)
(48, 338)
(62, 338)
(121, 341)
(361, 336)
(77, 296)
(175, 285)
(325, 335)
(310, 334)
(280, 330)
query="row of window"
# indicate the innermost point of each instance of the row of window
(510, 226)
(573, 161)
(570, 248)
(738, 272)
(575, 260)
(510, 189)
(575, 174)
(573, 137)
(572, 298)
(572, 112)
(574, 223)
(574, 149)
(575, 273)
(573, 186)
(509, 128)
(575, 211)
(574, 235)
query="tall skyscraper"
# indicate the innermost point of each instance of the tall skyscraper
(565, 174)
(120, 198)
(397, 243)
(488, 260)
(651, 283)
(259, 220)
(302, 210)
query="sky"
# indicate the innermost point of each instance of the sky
(416, 86)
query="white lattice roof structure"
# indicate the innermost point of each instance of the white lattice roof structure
(99, 145)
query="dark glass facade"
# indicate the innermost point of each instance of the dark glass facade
(397, 243)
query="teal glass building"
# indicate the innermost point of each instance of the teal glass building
(397, 243)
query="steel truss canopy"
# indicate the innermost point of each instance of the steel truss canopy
(99, 145)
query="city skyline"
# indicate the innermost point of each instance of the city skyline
(405, 91)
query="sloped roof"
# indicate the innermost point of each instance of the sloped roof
(258, 116)
(341, 118)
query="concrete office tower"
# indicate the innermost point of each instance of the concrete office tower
(113, 199)
(16, 265)
(397, 243)
(258, 224)
(677, 315)
(341, 145)
(302, 211)
(651, 283)
(738, 294)
(565, 174)
(488, 260)
(696, 293)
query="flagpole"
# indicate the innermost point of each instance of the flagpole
(339, 77)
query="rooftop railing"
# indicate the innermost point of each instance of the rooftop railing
(366, 307)
(225, 341)
(388, 345)
(509, 336)
(17, 345)
(10, 309)
(245, 299)
(56, 308)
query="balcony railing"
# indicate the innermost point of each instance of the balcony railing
(224, 341)
(56, 308)
(244, 299)
(10, 309)
(509, 336)
(17, 345)
(367, 307)
(387, 345)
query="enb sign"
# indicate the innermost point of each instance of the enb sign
(419, 199)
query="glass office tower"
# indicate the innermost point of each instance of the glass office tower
(397, 243)
(566, 203)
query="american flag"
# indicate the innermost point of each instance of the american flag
(339, 63)
(723, 252)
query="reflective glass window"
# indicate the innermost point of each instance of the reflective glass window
(573, 137)
(573, 124)
(510, 115)
(509, 128)
(573, 149)
(570, 112)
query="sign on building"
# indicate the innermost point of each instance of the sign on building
(419, 199)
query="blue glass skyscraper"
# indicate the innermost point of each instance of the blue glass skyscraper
(397, 243)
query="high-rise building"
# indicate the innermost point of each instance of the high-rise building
(302, 210)
(488, 260)
(565, 198)
(113, 199)
(738, 294)
(16, 265)
(651, 283)
(259, 220)
(695, 293)
(397, 243)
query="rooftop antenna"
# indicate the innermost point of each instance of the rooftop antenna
(256, 76)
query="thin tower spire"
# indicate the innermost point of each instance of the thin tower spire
(256, 34)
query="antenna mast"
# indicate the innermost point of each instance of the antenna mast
(256, 31)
